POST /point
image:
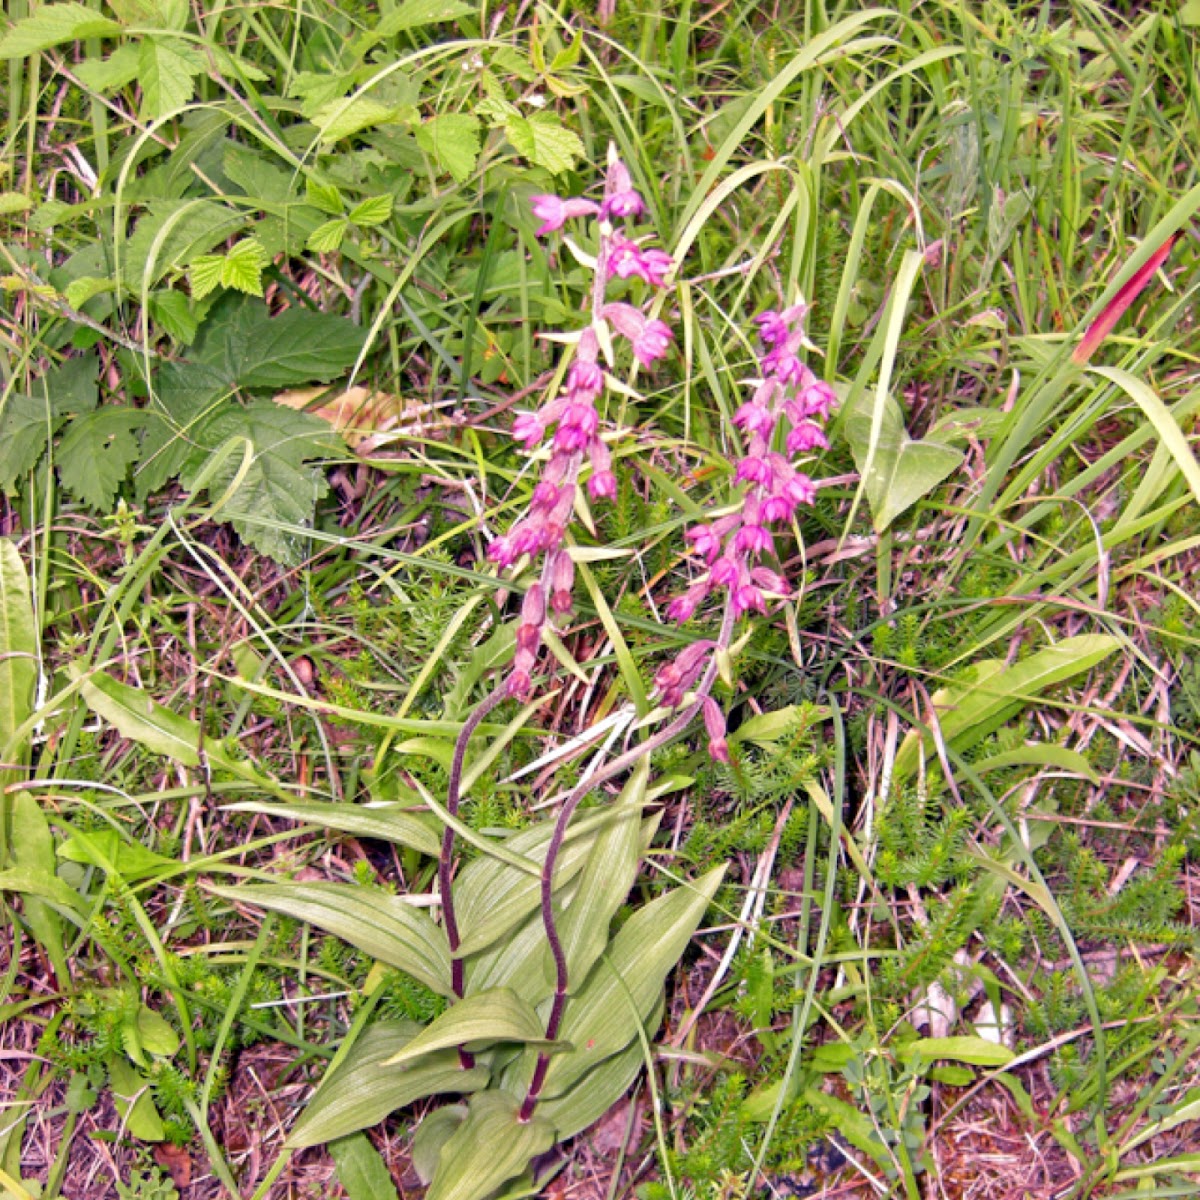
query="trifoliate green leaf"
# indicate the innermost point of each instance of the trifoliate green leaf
(167, 68)
(452, 141)
(325, 239)
(95, 455)
(52, 25)
(544, 141)
(243, 267)
(372, 211)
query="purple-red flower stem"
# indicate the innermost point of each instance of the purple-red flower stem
(617, 767)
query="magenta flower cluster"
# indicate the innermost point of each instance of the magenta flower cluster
(571, 420)
(734, 545)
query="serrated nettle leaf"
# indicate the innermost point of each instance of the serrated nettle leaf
(492, 897)
(624, 985)
(499, 1015)
(361, 1170)
(970, 711)
(491, 1146)
(139, 717)
(372, 211)
(26, 425)
(96, 453)
(167, 70)
(382, 925)
(544, 141)
(415, 14)
(54, 25)
(251, 349)
(452, 140)
(360, 1092)
(324, 196)
(388, 822)
(326, 238)
(902, 470)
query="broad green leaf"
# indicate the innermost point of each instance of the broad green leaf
(969, 712)
(360, 1170)
(974, 1050)
(139, 717)
(339, 119)
(496, 1016)
(52, 25)
(32, 849)
(360, 1092)
(491, 1146)
(414, 14)
(432, 1134)
(161, 14)
(18, 655)
(1058, 757)
(381, 925)
(115, 71)
(902, 470)
(131, 1094)
(544, 141)
(372, 211)
(115, 855)
(156, 1035)
(611, 870)
(388, 822)
(625, 984)
(452, 140)
(490, 897)
(35, 881)
(326, 238)
(853, 1125)
(600, 1088)
(167, 68)
(96, 453)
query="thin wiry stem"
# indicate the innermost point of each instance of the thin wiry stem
(618, 766)
(446, 858)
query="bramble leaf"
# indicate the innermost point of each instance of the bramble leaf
(372, 211)
(545, 141)
(167, 68)
(95, 455)
(115, 71)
